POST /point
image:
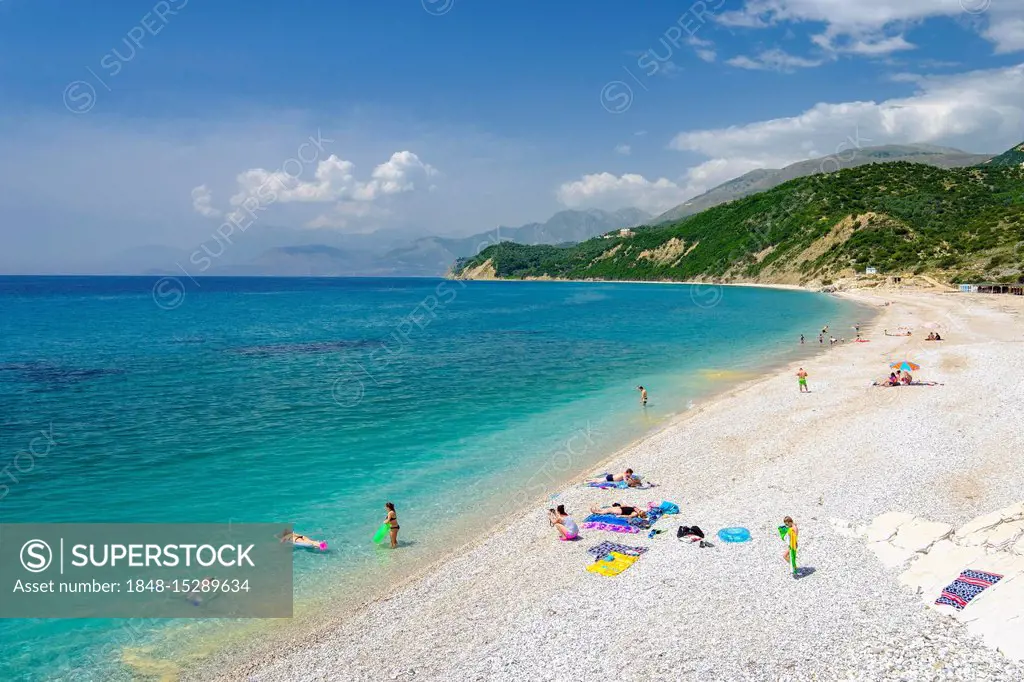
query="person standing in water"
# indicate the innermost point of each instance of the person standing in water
(643, 395)
(392, 520)
(801, 339)
(790, 533)
(801, 376)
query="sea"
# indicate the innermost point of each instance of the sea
(313, 401)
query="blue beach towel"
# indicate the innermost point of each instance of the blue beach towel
(607, 518)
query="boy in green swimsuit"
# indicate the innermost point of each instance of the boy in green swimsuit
(802, 377)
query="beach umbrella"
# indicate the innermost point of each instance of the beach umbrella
(905, 365)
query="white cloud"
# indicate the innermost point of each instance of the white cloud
(873, 26)
(980, 111)
(201, 199)
(333, 182)
(705, 49)
(604, 190)
(774, 60)
(869, 46)
(623, 149)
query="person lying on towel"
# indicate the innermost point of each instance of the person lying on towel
(620, 510)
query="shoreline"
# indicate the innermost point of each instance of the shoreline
(315, 622)
(755, 452)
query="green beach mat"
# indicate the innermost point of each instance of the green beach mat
(381, 533)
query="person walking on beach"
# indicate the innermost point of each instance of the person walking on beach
(643, 395)
(801, 376)
(790, 533)
(392, 520)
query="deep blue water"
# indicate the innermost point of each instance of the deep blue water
(312, 401)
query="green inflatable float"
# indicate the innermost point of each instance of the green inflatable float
(382, 532)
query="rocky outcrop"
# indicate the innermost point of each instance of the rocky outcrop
(933, 555)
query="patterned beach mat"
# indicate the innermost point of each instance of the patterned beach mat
(969, 585)
(606, 548)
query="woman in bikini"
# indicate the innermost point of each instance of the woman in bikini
(392, 520)
(619, 510)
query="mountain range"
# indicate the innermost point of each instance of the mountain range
(765, 178)
(278, 251)
(896, 218)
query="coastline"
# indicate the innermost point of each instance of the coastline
(312, 622)
(525, 533)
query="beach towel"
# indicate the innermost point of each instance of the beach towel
(969, 585)
(652, 517)
(610, 527)
(608, 518)
(606, 548)
(605, 485)
(613, 566)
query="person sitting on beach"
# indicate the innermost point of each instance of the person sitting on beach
(620, 510)
(563, 523)
(907, 379)
(938, 337)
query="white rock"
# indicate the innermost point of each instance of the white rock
(885, 525)
(890, 555)
(919, 534)
(1018, 547)
(980, 523)
(845, 528)
(939, 567)
(1005, 534)
(1014, 512)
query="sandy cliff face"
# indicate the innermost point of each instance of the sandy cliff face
(483, 271)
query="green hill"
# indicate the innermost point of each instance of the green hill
(901, 218)
(1012, 157)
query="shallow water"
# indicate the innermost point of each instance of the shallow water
(312, 401)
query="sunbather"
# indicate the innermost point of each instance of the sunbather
(563, 523)
(626, 475)
(620, 510)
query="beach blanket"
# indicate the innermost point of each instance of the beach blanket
(608, 518)
(652, 517)
(610, 527)
(605, 485)
(606, 548)
(614, 566)
(969, 585)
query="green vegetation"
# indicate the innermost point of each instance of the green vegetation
(901, 218)
(1013, 157)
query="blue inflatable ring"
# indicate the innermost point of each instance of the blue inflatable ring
(734, 535)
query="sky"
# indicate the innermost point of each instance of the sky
(129, 126)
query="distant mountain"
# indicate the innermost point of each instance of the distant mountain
(766, 178)
(435, 255)
(306, 260)
(906, 219)
(1011, 157)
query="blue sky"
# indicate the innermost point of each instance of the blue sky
(140, 124)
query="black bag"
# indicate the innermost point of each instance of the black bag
(689, 530)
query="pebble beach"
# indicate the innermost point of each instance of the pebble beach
(519, 604)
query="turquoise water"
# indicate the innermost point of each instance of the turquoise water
(313, 401)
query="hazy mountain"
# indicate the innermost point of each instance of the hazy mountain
(434, 255)
(765, 178)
